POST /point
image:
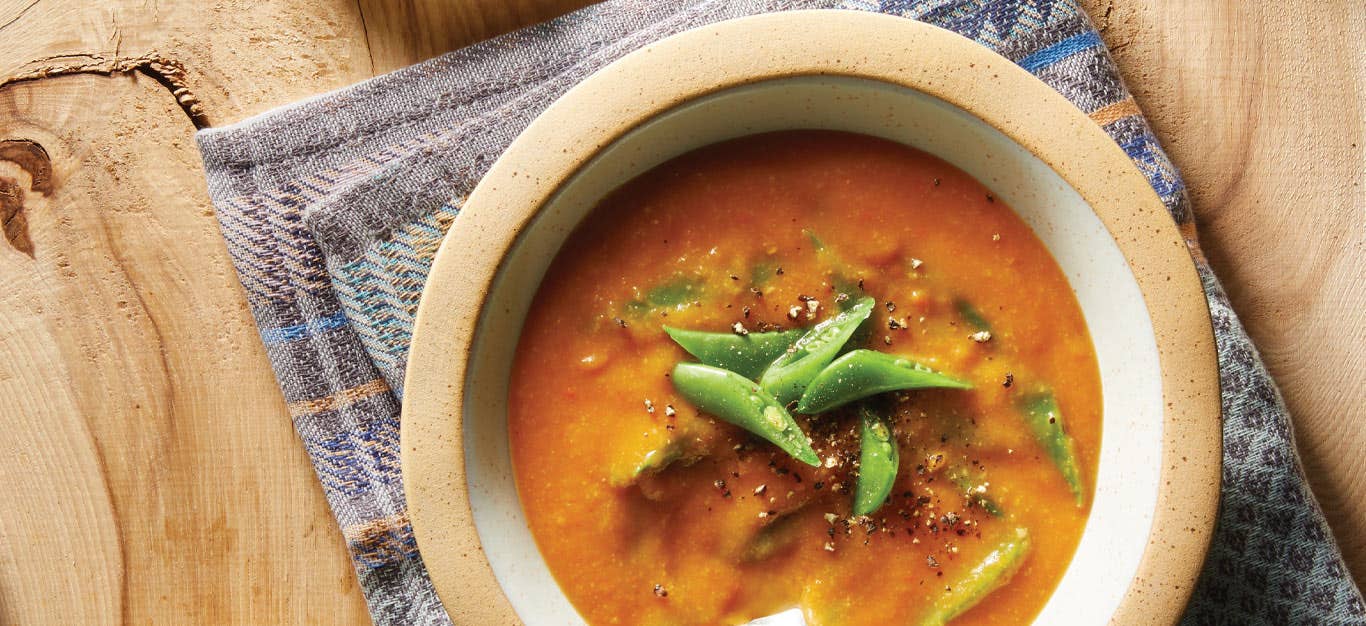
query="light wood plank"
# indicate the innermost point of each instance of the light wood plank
(151, 469)
(403, 32)
(1263, 108)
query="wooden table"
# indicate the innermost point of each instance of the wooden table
(151, 472)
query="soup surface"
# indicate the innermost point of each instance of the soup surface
(779, 232)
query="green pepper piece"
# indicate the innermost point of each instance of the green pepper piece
(739, 401)
(971, 315)
(790, 373)
(965, 483)
(878, 462)
(746, 356)
(864, 373)
(1041, 413)
(987, 576)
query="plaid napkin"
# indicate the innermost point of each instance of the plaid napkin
(333, 208)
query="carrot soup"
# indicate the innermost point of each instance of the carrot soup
(805, 369)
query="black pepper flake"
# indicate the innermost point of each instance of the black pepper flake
(936, 182)
(620, 322)
(891, 306)
(745, 311)
(860, 284)
(756, 292)
(734, 277)
(818, 485)
(661, 591)
(991, 198)
(779, 271)
(1010, 380)
(931, 561)
(1052, 420)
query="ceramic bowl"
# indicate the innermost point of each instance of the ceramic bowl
(1157, 489)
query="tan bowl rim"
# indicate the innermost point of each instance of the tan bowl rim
(711, 58)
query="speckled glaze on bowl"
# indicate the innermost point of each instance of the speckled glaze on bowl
(1157, 488)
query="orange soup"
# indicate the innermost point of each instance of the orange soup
(914, 408)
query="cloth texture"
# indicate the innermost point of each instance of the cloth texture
(334, 207)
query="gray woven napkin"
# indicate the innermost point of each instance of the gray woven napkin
(333, 208)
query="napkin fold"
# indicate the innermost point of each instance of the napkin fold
(333, 208)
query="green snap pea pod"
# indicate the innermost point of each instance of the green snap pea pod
(787, 377)
(763, 271)
(771, 540)
(676, 293)
(683, 450)
(973, 490)
(739, 401)
(878, 462)
(839, 272)
(971, 315)
(864, 373)
(990, 574)
(1041, 413)
(746, 356)
(782, 532)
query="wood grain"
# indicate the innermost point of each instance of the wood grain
(155, 475)
(1263, 108)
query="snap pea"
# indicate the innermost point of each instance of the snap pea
(990, 574)
(739, 401)
(781, 532)
(863, 373)
(746, 356)
(683, 450)
(878, 462)
(763, 271)
(970, 488)
(971, 315)
(677, 292)
(839, 278)
(775, 538)
(787, 377)
(1041, 413)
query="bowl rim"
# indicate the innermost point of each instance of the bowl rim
(732, 53)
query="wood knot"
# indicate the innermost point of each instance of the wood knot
(33, 159)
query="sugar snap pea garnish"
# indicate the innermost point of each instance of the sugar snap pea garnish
(787, 377)
(990, 574)
(739, 401)
(974, 491)
(1041, 413)
(863, 373)
(746, 355)
(878, 462)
